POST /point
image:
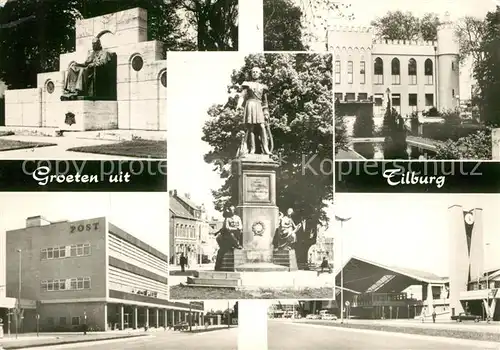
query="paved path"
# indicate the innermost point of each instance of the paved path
(224, 339)
(291, 336)
(60, 151)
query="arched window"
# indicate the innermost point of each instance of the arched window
(396, 71)
(429, 72)
(378, 71)
(412, 71)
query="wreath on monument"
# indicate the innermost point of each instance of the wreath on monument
(258, 228)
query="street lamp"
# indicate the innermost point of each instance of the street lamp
(18, 316)
(342, 220)
(487, 290)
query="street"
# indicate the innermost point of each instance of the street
(224, 339)
(290, 336)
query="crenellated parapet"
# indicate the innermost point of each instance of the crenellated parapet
(405, 42)
(352, 29)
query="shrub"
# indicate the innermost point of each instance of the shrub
(474, 146)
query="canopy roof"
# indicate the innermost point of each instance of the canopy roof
(363, 276)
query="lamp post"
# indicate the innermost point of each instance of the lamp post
(228, 315)
(190, 317)
(18, 309)
(342, 220)
(487, 290)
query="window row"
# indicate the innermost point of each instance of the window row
(350, 72)
(75, 321)
(379, 99)
(378, 71)
(186, 231)
(54, 285)
(65, 251)
(139, 256)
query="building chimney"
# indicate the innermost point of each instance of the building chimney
(34, 221)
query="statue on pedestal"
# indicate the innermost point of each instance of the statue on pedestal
(253, 100)
(81, 77)
(286, 235)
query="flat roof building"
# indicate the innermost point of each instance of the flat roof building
(88, 272)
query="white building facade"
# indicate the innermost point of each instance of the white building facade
(418, 75)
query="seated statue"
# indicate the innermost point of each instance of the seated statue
(81, 78)
(230, 235)
(286, 235)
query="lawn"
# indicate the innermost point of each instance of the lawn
(448, 333)
(203, 293)
(134, 149)
(10, 145)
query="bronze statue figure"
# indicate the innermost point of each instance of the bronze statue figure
(253, 99)
(80, 77)
(229, 236)
(286, 235)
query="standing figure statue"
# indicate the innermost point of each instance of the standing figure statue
(253, 99)
(286, 235)
(80, 77)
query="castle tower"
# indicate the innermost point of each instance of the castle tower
(447, 66)
(466, 251)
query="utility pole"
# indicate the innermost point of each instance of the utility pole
(342, 220)
(228, 315)
(190, 318)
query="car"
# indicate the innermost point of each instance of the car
(182, 326)
(465, 316)
(329, 317)
(313, 317)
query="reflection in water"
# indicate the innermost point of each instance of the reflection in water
(375, 150)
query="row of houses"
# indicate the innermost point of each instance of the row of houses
(192, 233)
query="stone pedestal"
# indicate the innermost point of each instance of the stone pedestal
(285, 258)
(88, 115)
(256, 205)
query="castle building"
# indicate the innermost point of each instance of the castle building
(417, 75)
(89, 272)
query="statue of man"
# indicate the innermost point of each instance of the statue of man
(80, 76)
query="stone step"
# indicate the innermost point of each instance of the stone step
(214, 282)
(260, 267)
(217, 274)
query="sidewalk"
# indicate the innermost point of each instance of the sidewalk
(175, 270)
(50, 339)
(449, 329)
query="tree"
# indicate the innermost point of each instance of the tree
(33, 45)
(341, 138)
(487, 70)
(470, 32)
(283, 29)
(394, 131)
(363, 125)
(216, 23)
(398, 25)
(302, 126)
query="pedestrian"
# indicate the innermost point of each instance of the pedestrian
(434, 316)
(183, 262)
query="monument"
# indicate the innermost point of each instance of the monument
(115, 79)
(267, 242)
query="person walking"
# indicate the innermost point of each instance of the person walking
(183, 262)
(434, 316)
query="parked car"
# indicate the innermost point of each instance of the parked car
(464, 316)
(329, 317)
(181, 326)
(313, 317)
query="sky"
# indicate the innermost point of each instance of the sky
(143, 215)
(200, 80)
(409, 230)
